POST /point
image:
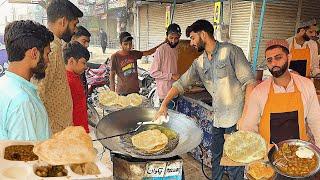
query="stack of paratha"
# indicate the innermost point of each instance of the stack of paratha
(110, 98)
(245, 147)
(150, 141)
(134, 99)
(70, 146)
(107, 98)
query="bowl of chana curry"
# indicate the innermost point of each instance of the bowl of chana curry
(295, 158)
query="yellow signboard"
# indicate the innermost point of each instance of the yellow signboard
(216, 14)
(168, 15)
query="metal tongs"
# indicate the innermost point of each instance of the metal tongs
(158, 121)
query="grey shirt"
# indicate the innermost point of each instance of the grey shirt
(225, 77)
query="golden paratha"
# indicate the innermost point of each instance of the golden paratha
(123, 101)
(70, 146)
(108, 98)
(245, 147)
(135, 99)
(85, 168)
(150, 140)
(260, 170)
(111, 98)
(156, 149)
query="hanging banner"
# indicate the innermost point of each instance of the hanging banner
(216, 14)
(168, 15)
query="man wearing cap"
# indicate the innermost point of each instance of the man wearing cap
(285, 106)
(124, 65)
(316, 38)
(164, 65)
(304, 51)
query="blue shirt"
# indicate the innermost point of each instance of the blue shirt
(22, 113)
(225, 77)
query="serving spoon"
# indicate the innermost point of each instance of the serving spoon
(277, 147)
(158, 121)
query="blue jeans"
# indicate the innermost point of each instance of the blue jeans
(234, 173)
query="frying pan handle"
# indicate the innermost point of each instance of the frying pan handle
(129, 132)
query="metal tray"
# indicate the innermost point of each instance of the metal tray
(27, 168)
(297, 142)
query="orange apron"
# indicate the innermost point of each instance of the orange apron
(301, 60)
(283, 117)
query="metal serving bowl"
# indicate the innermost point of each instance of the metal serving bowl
(297, 142)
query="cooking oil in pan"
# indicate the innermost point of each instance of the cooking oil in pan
(173, 138)
(171, 134)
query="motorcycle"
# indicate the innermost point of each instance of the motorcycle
(148, 87)
(3, 56)
(96, 76)
(3, 68)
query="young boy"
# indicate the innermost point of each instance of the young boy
(124, 64)
(76, 57)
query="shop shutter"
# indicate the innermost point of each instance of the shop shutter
(279, 23)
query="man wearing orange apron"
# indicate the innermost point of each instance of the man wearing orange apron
(284, 106)
(304, 50)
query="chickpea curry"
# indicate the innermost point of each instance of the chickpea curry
(287, 161)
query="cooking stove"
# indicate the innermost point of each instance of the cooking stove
(126, 167)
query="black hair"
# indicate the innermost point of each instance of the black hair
(75, 50)
(23, 35)
(125, 37)
(200, 25)
(62, 8)
(284, 49)
(82, 31)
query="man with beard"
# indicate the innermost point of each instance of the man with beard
(315, 37)
(285, 106)
(22, 114)
(164, 68)
(54, 89)
(304, 51)
(226, 74)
